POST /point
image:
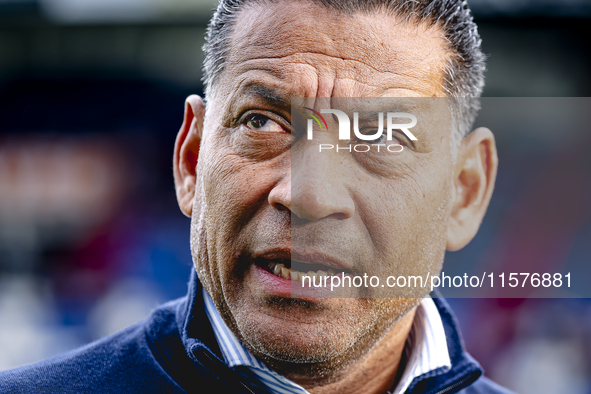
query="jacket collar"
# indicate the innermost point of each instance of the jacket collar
(195, 329)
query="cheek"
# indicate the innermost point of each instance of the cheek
(229, 182)
(235, 189)
(241, 169)
(410, 223)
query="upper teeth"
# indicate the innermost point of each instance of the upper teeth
(286, 273)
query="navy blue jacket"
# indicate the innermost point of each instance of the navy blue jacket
(174, 351)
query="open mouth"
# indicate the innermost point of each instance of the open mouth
(283, 269)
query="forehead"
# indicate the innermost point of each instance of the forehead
(312, 51)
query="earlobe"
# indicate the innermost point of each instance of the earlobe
(186, 153)
(474, 178)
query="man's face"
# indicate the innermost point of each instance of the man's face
(249, 203)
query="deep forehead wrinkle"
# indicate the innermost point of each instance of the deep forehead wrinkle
(369, 44)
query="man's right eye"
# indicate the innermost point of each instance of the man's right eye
(263, 123)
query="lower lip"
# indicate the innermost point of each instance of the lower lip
(280, 287)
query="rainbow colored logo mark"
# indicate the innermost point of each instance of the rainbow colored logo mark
(315, 115)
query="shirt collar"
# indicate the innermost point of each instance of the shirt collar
(236, 355)
(426, 350)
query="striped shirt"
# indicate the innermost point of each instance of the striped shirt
(425, 351)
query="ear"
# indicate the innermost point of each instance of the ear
(186, 153)
(474, 180)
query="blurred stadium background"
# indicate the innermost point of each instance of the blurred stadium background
(91, 239)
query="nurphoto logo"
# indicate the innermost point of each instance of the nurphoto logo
(375, 139)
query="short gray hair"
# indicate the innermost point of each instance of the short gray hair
(463, 73)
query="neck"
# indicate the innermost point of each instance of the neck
(376, 372)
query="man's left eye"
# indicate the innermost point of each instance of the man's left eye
(380, 140)
(263, 123)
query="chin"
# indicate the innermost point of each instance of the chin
(296, 331)
(303, 344)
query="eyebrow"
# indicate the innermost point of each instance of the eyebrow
(369, 115)
(272, 96)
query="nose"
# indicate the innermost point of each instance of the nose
(314, 189)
